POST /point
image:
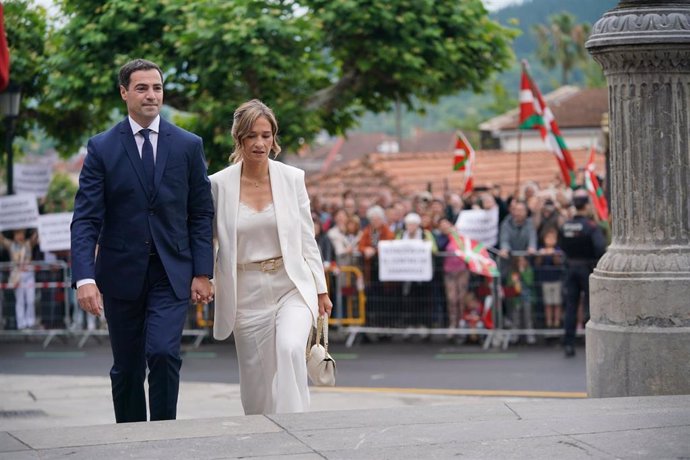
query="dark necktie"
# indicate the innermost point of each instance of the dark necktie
(147, 157)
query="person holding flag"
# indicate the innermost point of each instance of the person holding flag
(469, 256)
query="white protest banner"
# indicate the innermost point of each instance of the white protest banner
(18, 212)
(405, 260)
(32, 179)
(53, 231)
(479, 225)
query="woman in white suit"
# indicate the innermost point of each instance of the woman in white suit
(270, 283)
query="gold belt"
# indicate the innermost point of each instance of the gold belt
(268, 265)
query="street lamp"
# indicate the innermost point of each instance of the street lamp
(9, 109)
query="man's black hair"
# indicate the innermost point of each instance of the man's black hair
(128, 69)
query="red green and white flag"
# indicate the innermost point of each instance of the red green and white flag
(464, 159)
(4, 54)
(596, 193)
(535, 114)
(475, 255)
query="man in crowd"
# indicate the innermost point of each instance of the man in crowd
(583, 243)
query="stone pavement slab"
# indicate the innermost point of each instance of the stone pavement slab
(645, 427)
(59, 401)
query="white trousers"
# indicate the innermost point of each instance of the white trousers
(25, 301)
(271, 332)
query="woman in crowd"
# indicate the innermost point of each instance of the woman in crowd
(270, 282)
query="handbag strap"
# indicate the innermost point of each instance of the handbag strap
(322, 331)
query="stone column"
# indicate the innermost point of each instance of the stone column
(638, 338)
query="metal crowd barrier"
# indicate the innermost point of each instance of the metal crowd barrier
(50, 285)
(506, 309)
(57, 314)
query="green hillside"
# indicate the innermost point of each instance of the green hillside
(529, 13)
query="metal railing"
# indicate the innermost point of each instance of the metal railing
(504, 310)
(57, 314)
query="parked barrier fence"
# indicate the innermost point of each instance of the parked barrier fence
(521, 305)
(55, 313)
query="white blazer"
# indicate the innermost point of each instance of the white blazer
(300, 252)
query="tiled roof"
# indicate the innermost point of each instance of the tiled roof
(572, 108)
(405, 174)
(342, 150)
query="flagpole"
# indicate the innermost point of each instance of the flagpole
(518, 160)
(517, 166)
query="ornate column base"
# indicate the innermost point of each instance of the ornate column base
(633, 353)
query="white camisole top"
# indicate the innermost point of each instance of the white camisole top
(257, 234)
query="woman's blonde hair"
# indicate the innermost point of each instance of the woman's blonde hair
(242, 122)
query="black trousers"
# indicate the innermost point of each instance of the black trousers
(576, 282)
(146, 332)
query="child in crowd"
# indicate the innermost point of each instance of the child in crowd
(549, 271)
(521, 280)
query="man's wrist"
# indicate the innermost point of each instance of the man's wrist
(85, 281)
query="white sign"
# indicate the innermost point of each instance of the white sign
(32, 179)
(479, 225)
(53, 231)
(405, 260)
(18, 212)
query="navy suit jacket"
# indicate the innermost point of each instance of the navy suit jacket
(114, 209)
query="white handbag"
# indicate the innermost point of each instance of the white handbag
(320, 364)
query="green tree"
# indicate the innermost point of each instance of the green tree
(318, 63)
(60, 196)
(27, 34)
(562, 44)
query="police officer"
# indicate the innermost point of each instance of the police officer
(583, 243)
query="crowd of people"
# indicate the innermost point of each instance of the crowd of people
(536, 255)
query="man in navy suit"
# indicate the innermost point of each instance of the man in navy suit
(142, 236)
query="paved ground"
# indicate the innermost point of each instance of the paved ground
(70, 418)
(55, 403)
(414, 364)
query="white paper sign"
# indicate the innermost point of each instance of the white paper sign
(479, 225)
(18, 212)
(53, 231)
(32, 179)
(405, 260)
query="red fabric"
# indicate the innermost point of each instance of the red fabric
(4, 54)
(535, 114)
(595, 191)
(464, 160)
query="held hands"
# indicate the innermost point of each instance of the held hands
(202, 289)
(325, 304)
(89, 299)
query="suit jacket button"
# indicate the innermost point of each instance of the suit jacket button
(147, 243)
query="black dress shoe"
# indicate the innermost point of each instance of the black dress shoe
(569, 351)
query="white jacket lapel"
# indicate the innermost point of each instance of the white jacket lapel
(280, 190)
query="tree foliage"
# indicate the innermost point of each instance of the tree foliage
(60, 195)
(27, 37)
(320, 64)
(562, 44)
